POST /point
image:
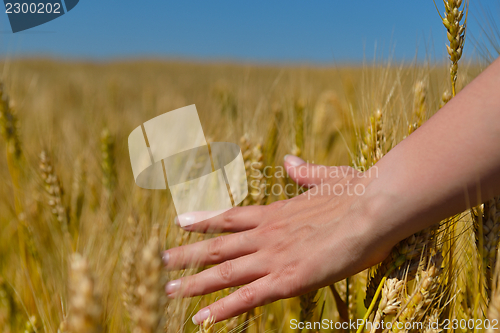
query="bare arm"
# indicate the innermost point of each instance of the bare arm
(432, 174)
(437, 171)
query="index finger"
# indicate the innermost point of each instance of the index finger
(235, 219)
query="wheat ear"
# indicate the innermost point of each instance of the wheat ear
(307, 305)
(419, 106)
(129, 268)
(9, 125)
(149, 290)
(418, 303)
(84, 303)
(445, 98)
(390, 301)
(405, 257)
(298, 114)
(454, 13)
(372, 146)
(54, 190)
(207, 326)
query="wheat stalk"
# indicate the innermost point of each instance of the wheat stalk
(347, 291)
(490, 220)
(494, 306)
(246, 151)
(77, 191)
(31, 325)
(272, 142)
(6, 307)
(108, 166)
(298, 115)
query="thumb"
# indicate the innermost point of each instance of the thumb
(309, 175)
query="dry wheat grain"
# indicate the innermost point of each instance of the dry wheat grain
(417, 304)
(445, 98)
(9, 124)
(454, 13)
(390, 301)
(129, 267)
(84, 303)
(419, 106)
(405, 257)
(150, 289)
(207, 326)
(54, 190)
(308, 304)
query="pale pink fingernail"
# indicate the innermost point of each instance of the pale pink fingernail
(172, 286)
(185, 219)
(201, 316)
(294, 160)
(165, 257)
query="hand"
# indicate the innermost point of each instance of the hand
(284, 249)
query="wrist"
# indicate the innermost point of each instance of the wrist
(376, 223)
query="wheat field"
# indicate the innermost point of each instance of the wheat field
(80, 243)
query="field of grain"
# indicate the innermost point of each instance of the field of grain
(80, 243)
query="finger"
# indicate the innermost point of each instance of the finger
(308, 174)
(235, 219)
(210, 251)
(257, 293)
(230, 273)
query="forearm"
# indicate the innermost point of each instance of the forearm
(448, 165)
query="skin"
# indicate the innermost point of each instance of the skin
(286, 249)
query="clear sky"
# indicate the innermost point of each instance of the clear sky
(314, 31)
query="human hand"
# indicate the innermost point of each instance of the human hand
(284, 249)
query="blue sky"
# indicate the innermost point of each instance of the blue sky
(312, 31)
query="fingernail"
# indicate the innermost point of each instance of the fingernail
(165, 257)
(201, 316)
(185, 219)
(294, 160)
(172, 286)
